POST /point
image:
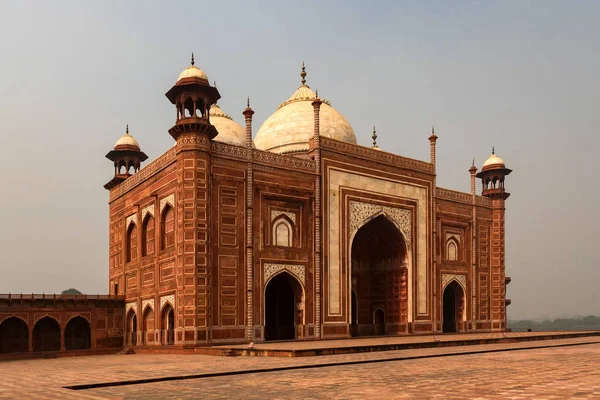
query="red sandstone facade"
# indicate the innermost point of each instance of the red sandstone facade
(215, 242)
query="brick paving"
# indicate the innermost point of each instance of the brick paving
(542, 373)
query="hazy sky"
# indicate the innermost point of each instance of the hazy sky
(520, 75)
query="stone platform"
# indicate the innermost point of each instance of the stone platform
(379, 343)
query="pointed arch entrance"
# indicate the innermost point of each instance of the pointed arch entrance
(282, 315)
(14, 335)
(452, 304)
(131, 329)
(379, 258)
(46, 335)
(168, 324)
(77, 334)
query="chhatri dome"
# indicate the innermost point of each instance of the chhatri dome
(127, 142)
(290, 128)
(230, 132)
(192, 72)
(493, 162)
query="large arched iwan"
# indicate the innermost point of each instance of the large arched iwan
(379, 271)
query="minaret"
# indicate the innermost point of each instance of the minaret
(248, 113)
(127, 157)
(434, 258)
(492, 177)
(317, 210)
(192, 96)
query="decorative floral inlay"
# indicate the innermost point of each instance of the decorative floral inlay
(147, 302)
(277, 213)
(167, 299)
(271, 269)
(129, 220)
(146, 210)
(132, 305)
(170, 199)
(359, 212)
(461, 279)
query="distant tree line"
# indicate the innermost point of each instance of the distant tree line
(71, 291)
(585, 323)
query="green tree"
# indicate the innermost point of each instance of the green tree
(71, 291)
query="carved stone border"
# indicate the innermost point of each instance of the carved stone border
(360, 211)
(277, 213)
(170, 199)
(271, 269)
(460, 278)
(167, 299)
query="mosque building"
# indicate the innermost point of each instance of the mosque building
(300, 233)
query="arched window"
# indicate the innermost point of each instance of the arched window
(148, 235)
(451, 250)
(131, 254)
(167, 227)
(282, 233)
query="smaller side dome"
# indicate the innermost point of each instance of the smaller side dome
(127, 142)
(493, 162)
(230, 132)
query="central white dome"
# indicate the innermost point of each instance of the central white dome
(290, 128)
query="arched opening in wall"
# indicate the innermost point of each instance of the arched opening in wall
(167, 227)
(354, 315)
(451, 250)
(189, 108)
(379, 321)
(378, 257)
(199, 108)
(148, 235)
(14, 335)
(452, 305)
(78, 335)
(131, 329)
(282, 232)
(46, 335)
(168, 324)
(131, 251)
(148, 326)
(282, 315)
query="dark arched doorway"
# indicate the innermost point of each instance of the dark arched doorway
(281, 295)
(14, 335)
(168, 324)
(378, 267)
(452, 307)
(46, 335)
(78, 334)
(354, 316)
(131, 338)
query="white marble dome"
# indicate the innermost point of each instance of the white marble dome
(230, 132)
(290, 128)
(127, 141)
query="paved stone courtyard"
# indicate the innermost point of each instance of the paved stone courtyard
(568, 370)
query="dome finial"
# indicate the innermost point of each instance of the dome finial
(248, 102)
(192, 58)
(374, 136)
(473, 162)
(303, 74)
(317, 93)
(127, 129)
(432, 130)
(493, 150)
